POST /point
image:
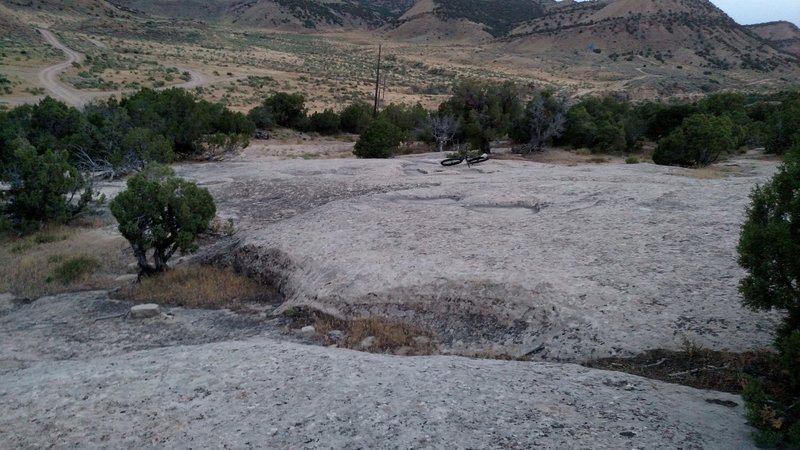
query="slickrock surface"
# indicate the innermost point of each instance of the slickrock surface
(560, 263)
(268, 393)
(554, 262)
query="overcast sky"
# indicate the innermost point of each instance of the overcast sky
(748, 11)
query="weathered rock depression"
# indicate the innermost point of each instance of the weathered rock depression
(553, 262)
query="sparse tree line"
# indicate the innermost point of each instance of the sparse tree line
(50, 152)
(479, 113)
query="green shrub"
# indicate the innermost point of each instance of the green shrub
(486, 111)
(355, 118)
(607, 124)
(768, 249)
(182, 118)
(781, 125)
(282, 109)
(325, 122)
(770, 242)
(698, 142)
(380, 140)
(74, 269)
(631, 160)
(43, 188)
(146, 145)
(407, 118)
(162, 213)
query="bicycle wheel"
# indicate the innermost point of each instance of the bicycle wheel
(478, 159)
(452, 161)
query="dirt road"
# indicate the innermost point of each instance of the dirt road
(49, 75)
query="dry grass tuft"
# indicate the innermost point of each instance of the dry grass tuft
(31, 266)
(708, 173)
(558, 156)
(705, 173)
(198, 286)
(388, 336)
(502, 356)
(694, 366)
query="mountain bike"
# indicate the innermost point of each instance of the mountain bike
(464, 156)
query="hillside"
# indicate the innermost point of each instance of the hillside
(82, 8)
(464, 20)
(279, 14)
(783, 35)
(9, 24)
(691, 33)
(446, 17)
(643, 48)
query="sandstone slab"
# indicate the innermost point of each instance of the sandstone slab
(553, 262)
(247, 394)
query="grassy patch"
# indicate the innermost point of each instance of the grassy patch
(709, 173)
(71, 270)
(197, 286)
(40, 264)
(381, 335)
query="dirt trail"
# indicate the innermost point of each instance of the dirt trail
(49, 75)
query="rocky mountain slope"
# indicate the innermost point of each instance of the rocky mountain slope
(783, 35)
(86, 8)
(679, 32)
(649, 48)
(281, 14)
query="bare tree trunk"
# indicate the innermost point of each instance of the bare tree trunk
(145, 269)
(444, 128)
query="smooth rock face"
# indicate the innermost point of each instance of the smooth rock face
(553, 262)
(127, 278)
(145, 311)
(366, 343)
(249, 394)
(6, 301)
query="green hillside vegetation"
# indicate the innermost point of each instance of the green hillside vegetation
(498, 18)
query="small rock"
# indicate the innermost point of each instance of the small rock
(133, 268)
(628, 434)
(366, 343)
(128, 278)
(403, 351)
(145, 311)
(336, 335)
(308, 329)
(421, 340)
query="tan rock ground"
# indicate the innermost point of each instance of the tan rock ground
(572, 262)
(203, 379)
(548, 261)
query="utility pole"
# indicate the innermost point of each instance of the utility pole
(377, 83)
